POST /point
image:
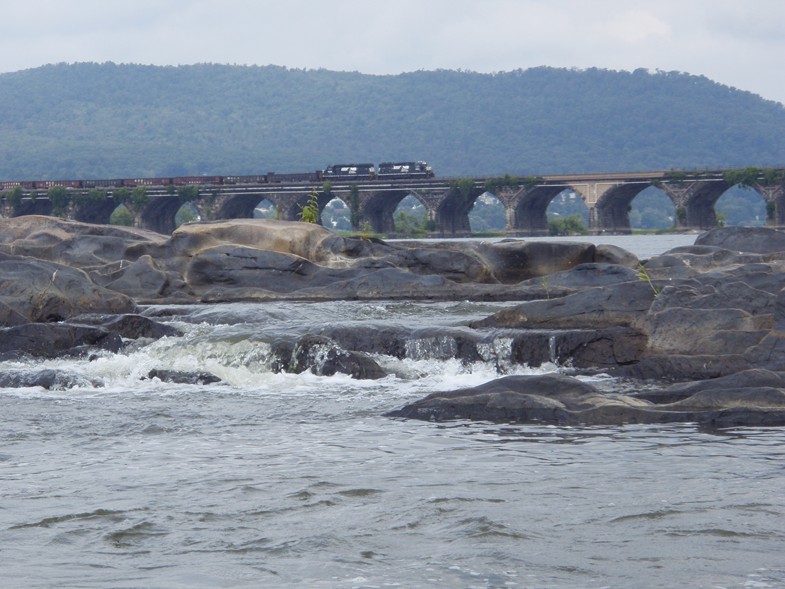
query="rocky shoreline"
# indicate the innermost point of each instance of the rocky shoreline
(696, 334)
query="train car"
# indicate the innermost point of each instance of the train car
(316, 176)
(350, 172)
(47, 184)
(257, 179)
(104, 183)
(11, 185)
(196, 180)
(134, 182)
(405, 170)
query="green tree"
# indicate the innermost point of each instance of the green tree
(60, 199)
(354, 206)
(122, 216)
(572, 225)
(309, 212)
(14, 197)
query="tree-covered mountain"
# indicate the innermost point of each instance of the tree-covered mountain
(93, 120)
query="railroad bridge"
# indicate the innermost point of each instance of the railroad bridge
(447, 201)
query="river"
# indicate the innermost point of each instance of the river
(282, 480)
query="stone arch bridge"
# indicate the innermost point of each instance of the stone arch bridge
(447, 201)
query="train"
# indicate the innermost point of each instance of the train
(385, 171)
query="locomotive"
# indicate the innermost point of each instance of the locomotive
(386, 171)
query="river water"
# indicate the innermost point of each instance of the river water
(281, 480)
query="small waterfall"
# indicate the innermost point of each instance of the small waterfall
(553, 353)
(497, 351)
(440, 347)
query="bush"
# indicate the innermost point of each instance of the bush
(572, 225)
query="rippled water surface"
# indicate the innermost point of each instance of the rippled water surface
(281, 480)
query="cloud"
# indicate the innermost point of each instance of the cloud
(636, 26)
(736, 42)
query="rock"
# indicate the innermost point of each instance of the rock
(143, 279)
(38, 290)
(615, 305)
(129, 326)
(760, 240)
(180, 377)
(52, 340)
(514, 260)
(80, 245)
(563, 400)
(683, 367)
(585, 276)
(46, 378)
(745, 379)
(680, 330)
(324, 357)
(579, 348)
(614, 255)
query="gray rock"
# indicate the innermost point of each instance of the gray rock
(46, 378)
(52, 340)
(324, 357)
(180, 377)
(38, 290)
(563, 400)
(614, 305)
(744, 239)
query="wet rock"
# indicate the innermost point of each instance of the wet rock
(324, 357)
(47, 379)
(755, 378)
(52, 340)
(563, 400)
(579, 348)
(180, 377)
(129, 326)
(684, 367)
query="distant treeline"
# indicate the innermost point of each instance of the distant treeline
(105, 120)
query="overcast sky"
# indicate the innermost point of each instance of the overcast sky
(740, 43)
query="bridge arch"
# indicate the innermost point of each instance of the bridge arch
(530, 209)
(377, 209)
(743, 205)
(451, 214)
(488, 214)
(612, 210)
(39, 205)
(94, 208)
(158, 214)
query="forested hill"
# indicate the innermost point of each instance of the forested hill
(106, 120)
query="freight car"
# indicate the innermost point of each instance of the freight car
(387, 171)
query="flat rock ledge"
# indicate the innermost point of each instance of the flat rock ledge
(756, 398)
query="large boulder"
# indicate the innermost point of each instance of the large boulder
(324, 357)
(563, 400)
(615, 305)
(38, 290)
(513, 261)
(52, 340)
(760, 240)
(81, 245)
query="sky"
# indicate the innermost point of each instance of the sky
(739, 43)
